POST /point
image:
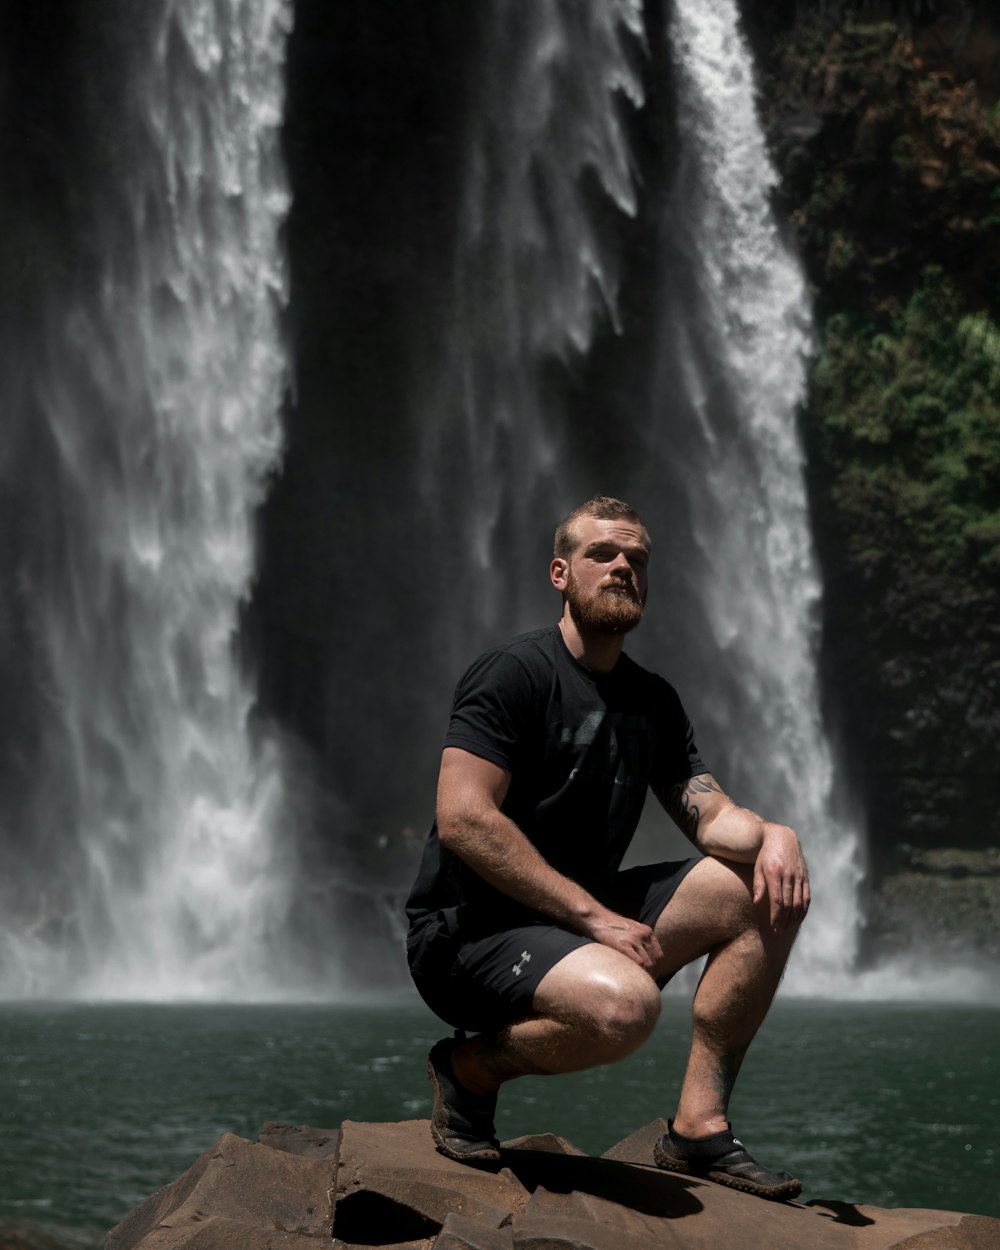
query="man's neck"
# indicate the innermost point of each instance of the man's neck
(598, 652)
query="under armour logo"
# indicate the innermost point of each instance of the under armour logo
(525, 959)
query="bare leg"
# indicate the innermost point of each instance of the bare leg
(713, 913)
(595, 1006)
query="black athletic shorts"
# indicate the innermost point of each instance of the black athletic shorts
(480, 972)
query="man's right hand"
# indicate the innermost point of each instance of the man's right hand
(629, 937)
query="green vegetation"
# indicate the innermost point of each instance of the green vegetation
(894, 188)
(910, 418)
(904, 424)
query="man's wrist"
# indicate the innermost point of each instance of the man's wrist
(587, 913)
(772, 831)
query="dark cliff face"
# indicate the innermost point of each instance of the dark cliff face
(380, 104)
(883, 120)
(373, 134)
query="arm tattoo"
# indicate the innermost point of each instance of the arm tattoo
(681, 806)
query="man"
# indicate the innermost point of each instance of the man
(524, 930)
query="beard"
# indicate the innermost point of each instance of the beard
(604, 610)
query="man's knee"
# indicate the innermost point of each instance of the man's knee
(719, 890)
(617, 1001)
(625, 1012)
(712, 907)
(734, 884)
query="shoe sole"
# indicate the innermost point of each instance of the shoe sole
(775, 1193)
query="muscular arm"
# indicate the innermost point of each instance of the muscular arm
(718, 827)
(472, 825)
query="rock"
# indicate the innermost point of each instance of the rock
(392, 1181)
(561, 1221)
(664, 1209)
(911, 1228)
(390, 1188)
(972, 1232)
(638, 1146)
(460, 1233)
(300, 1139)
(548, 1143)
(23, 1237)
(947, 898)
(240, 1194)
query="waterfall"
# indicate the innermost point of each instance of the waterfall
(531, 277)
(596, 314)
(743, 333)
(711, 458)
(156, 812)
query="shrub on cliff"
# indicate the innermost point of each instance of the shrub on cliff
(910, 417)
(891, 166)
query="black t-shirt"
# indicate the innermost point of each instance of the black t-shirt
(582, 749)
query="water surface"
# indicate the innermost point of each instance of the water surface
(888, 1104)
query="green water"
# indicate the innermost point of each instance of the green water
(893, 1105)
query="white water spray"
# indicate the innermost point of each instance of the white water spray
(745, 380)
(162, 394)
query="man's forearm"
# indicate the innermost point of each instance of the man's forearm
(712, 821)
(734, 833)
(780, 872)
(719, 828)
(496, 849)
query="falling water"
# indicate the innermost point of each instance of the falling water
(158, 858)
(156, 811)
(531, 277)
(744, 333)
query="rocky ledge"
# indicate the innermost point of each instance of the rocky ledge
(945, 900)
(384, 1185)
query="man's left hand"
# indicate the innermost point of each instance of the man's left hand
(781, 874)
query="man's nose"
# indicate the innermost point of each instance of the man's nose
(620, 564)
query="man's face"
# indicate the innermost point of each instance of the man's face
(605, 579)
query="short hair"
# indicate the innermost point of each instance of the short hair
(601, 508)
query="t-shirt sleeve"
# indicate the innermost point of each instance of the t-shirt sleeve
(492, 713)
(679, 758)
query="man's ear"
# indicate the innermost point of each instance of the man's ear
(558, 572)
